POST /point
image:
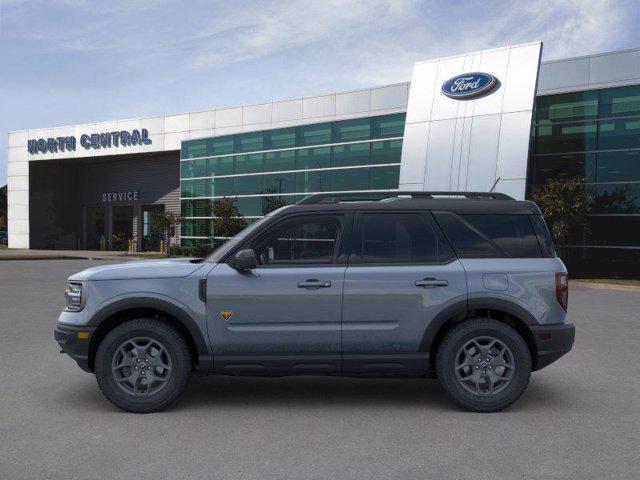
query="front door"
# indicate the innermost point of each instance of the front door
(401, 275)
(284, 315)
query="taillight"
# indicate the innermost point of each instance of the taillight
(562, 289)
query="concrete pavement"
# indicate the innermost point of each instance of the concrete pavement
(579, 418)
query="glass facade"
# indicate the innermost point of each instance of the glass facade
(267, 169)
(594, 135)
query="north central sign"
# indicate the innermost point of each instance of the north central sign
(469, 85)
(93, 141)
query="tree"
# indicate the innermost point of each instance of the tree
(165, 223)
(228, 221)
(619, 200)
(564, 204)
(272, 203)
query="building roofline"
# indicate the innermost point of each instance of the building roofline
(602, 54)
(213, 109)
(374, 87)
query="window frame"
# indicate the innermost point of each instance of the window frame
(355, 253)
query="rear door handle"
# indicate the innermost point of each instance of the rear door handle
(430, 283)
(313, 283)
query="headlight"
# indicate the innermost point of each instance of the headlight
(73, 295)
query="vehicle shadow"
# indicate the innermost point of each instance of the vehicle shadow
(309, 391)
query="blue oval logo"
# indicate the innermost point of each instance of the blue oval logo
(469, 85)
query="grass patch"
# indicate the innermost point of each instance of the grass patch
(611, 281)
(152, 255)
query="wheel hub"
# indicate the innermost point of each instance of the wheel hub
(141, 366)
(484, 365)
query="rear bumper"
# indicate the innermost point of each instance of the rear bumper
(74, 345)
(552, 342)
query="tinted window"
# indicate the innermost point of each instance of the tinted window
(513, 234)
(544, 238)
(401, 238)
(468, 242)
(306, 241)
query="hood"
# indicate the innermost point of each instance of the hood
(174, 268)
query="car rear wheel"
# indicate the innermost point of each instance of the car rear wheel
(143, 365)
(483, 365)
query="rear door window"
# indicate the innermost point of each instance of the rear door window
(400, 238)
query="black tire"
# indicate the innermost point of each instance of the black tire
(177, 377)
(449, 352)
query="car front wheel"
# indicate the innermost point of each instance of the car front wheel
(483, 365)
(143, 365)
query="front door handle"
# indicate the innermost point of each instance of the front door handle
(314, 283)
(430, 283)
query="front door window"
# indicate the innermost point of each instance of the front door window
(306, 241)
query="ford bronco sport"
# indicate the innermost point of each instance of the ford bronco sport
(461, 285)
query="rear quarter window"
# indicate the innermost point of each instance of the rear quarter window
(491, 235)
(544, 237)
(467, 241)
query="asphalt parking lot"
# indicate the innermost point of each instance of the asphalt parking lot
(579, 418)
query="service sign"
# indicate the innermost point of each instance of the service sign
(469, 85)
(117, 197)
(93, 141)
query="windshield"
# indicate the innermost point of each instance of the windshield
(230, 244)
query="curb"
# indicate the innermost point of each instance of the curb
(61, 257)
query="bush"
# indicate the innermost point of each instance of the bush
(198, 251)
(564, 204)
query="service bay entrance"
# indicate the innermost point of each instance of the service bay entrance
(122, 227)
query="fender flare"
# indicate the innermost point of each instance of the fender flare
(465, 306)
(453, 310)
(156, 304)
(507, 306)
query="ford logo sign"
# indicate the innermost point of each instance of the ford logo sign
(469, 85)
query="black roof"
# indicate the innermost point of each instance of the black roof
(457, 202)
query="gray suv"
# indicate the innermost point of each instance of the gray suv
(465, 287)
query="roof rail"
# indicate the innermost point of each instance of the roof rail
(382, 194)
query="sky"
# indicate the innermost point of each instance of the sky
(65, 62)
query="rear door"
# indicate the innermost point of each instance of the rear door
(401, 274)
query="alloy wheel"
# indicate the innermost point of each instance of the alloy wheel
(484, 366)
(141, 366)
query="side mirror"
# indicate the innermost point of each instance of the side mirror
(244, 260)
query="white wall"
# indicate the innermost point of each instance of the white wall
(603, 70)
(467, 144)
(167, 133)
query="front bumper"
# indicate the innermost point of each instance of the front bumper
(552, 342)
(74, 341)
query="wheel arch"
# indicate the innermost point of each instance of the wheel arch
(126, 309)
(503, 311)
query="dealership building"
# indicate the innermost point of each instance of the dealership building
(491, 119)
